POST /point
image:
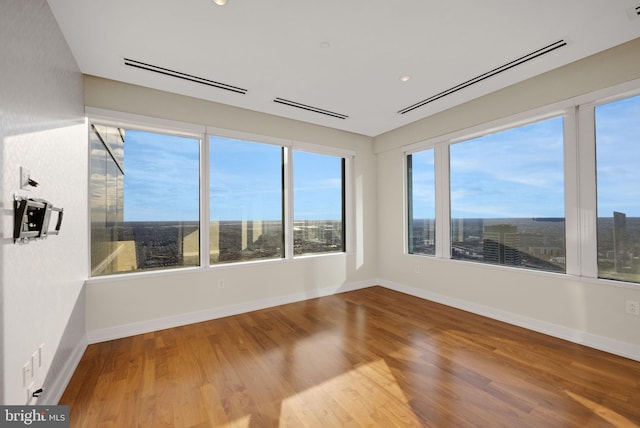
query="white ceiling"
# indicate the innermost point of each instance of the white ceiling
(275, 48)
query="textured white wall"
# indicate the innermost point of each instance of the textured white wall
(42, 128)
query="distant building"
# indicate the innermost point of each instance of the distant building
(466, 229)
(501, 245)
(619, 235)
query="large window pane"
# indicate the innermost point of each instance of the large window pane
(507, 197)
(144, 201)
(318, 203)
(245, 201)
(421, 198)
(618, 163)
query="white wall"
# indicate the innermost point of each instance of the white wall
(41, 128)
(588, 311)
(127, 305)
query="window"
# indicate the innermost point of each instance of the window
(618, 189)
(144, 200)
(246, 201)
(318, 203)
(507, 197)
(422, 205)
(262, 201)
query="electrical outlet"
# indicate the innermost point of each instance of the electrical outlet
(633, 307)
(27, 373)
(25, 179)
(221, 283)
(34, 363)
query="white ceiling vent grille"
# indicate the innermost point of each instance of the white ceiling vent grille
(310, 108)
(480, 78)
(184, 76)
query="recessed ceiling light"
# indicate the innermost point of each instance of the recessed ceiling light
(220, 2)
(405, 78)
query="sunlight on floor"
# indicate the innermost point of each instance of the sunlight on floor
(242, 422)
(356, 393)
(603, 412)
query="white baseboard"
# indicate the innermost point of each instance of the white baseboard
(54, 391)
(142, 327)
(612, 346)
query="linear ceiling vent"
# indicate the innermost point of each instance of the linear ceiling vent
(310, 108)
(486, 75)
(184, 76)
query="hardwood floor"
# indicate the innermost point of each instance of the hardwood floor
(372, 357)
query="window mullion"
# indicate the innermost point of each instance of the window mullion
(443, 205)
(587, 192)
(573, 235)
(205, 215)
(287, 196)
(348, 222)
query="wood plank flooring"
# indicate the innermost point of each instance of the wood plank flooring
(372, 357)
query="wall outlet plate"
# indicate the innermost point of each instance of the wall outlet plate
(633, 307)
(25, 175)
(27, 373)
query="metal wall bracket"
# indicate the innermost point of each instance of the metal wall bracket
(32, 217)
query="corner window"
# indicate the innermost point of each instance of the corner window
(421, 212)
(318, 203)
(144, 200)
(618, 189)
(507, 197)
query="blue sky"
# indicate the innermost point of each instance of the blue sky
(519, 172)
(509, 174)
(514, 173)
(162, 179)
(245, 181)
(618, 157)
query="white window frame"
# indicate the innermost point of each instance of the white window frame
(441, 146)
(203, 133)
(586, 134)
(579, 173)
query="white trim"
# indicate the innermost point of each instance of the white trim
(503, 124)
(405, 204)
(146, 123)
(117, 332)
(321, 150)
(602, 343)
(443, 202)
(610, 94)
(247, 136)
(613, 346)
(349, 202)
(587, 189)
(205, 203)
(571, 194)
(54, 391)
(287, 195)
